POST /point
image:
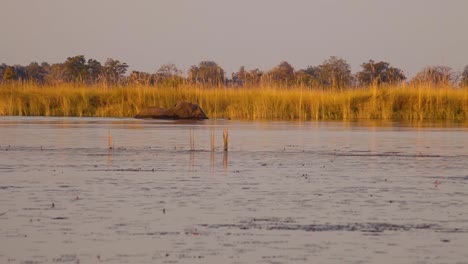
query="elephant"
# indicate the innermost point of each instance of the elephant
(181, 110)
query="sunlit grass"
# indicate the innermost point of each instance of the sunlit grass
(411, 103)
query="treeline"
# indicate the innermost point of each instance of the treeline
(74, 70)
(334, 73)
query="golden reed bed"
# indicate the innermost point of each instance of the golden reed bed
(406, 103)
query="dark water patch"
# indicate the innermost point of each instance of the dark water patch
(129, 170)
(463, 178)
(385, 154)
(32, 208)
(31, 262)
(59, 218)
(130, 255)
(66, 258)
(151, 233)
(10, 187)
(7, 169)
(289, 225)
(98, 155)
(12, 234)
(359, 153)
(454, 230)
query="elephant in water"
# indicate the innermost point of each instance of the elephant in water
(182, 110)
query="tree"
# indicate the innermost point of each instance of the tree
(208, 73)
(3, 67)
(436, 75)
(15, 72)
(334, 73)
(94, 70)
(247, 78)
(379, 73)
(20, 73)
(464, 76)
(57, 74)
(9, 74)
(283, 74)
(254, 77)
(75, 68)
(114, 71)
(239, 77)
(168, 70)
(169, 75)
(33, 70)
(311, 76)
(141, 78)
(37, 72)
(303, 78)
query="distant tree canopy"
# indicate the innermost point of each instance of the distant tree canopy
(436, 75)
(376, 73)
(114, 71)
(166, 75)
(333, 73)
(464, 77)
(9, 73)
(94, 70)
(168, 71)
(3, 67)
(247, 78)
(15, 72)
(283, 74)
(57, 74)
(169, 75)
(37, 72)
(208, 73)
(76, 69)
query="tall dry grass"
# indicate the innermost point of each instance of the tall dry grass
(412, 103)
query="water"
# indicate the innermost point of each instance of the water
(318, 192)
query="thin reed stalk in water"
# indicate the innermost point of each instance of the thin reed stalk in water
(192, 140)
(225, 139)
(225, 161)
(109, 140)
(212, 140)
(212, 161)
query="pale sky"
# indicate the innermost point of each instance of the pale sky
(409, 34)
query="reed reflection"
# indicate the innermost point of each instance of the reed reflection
(212, 161)
(225, 161)
(191, 160)
(110, 153)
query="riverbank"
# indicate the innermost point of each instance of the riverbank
(405, 103)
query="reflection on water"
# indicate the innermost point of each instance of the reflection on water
(225, 161)
(285, 192)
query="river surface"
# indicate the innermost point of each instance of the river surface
(97, 190)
